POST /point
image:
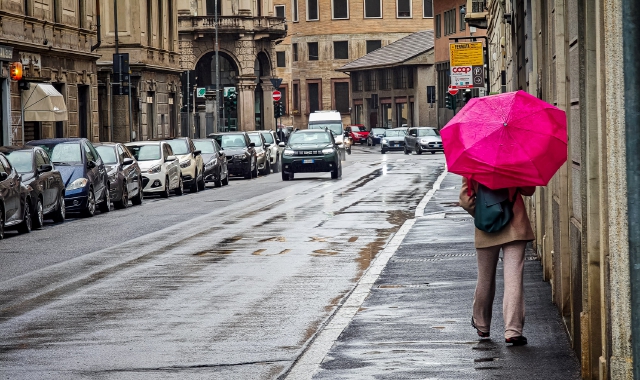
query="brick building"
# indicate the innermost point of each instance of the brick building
(325, 35)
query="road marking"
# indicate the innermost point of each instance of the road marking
(318, 347)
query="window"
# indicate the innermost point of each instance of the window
(312, 10)
(358, 113)
(403, 8)
(427, 8)
(438, 27)
(280, 11)
(386, 79)
(314, 97)
(295, 10)
(400, 76)
(449, 22)
(409, 77)
(341, 96)
(463, 24)
(402, 115)
(370, 81)
(296, 97)
(356, 81)
(340, 9)
(387, 122)
(211, 7)
(295, 52)
(373, 8)
(340, 49)
(373, 45)
(280, 58)
(313, 51)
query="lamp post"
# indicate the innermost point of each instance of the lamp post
(217, 110)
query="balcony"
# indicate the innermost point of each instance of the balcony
(272, 26)
(477, 13)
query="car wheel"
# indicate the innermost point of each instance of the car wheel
(61, 212)
(225, 181)
(406, 151)
(105, 206)
(180, 189)
(194, 186)
(201, 184)
(166, 192)
(287, 176)
(248, 172)
(418, 149)
(124, 199)
(218, 182)
(383, 151)
(335, 174)
(25, 226)
(137, 200)
(38, 215)
(267, 168)
(90, 210)
(1, 224)
(276, 166)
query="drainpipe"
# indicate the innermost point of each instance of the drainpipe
(97, 45)
(631, 57)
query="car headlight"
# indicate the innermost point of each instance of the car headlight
(239, 156)
(328, 151)
(384, 141)
(288, 152)
(78, 184)
(424, 141)
(211, 163)
(185, 164)
(155, 169)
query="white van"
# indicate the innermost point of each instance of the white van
(331, 120)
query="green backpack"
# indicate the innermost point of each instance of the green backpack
(494, 209)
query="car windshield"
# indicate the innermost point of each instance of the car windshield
(335, 128)
(377, 131)
(309, 138)
(394, 133)
(356, 128)
(268, 138)
(64, 153)
(22, 160)
(230, 141)
(145, 152)
(428, 132)
(255, 138)
(108, 154)
(179, 147)
(204, 146)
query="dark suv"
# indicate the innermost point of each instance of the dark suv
(310, 151)
(240, 152)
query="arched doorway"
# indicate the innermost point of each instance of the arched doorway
(262, 70)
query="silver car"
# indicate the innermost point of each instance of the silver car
(423, 139)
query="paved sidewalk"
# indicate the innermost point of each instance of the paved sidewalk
(415, 323)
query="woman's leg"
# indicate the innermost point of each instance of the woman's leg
(513, 303)
(485, 287)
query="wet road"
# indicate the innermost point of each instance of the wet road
(228, 283)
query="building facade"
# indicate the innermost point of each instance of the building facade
(53, 40)
(247, 34)
(148, 33)
(325, 35)
(570, 54)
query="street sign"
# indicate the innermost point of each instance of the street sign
(462, 76)
(478, 76)
(453, 90)
(276, 95)
(200, 91)
(276, 82)
(227, 90)
(466, 54)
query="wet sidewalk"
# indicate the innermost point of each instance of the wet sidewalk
(415, 323)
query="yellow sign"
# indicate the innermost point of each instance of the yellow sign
(466, 54)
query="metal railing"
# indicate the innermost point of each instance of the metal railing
(231, 23)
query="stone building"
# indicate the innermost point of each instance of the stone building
(391, 86)
(148, 32)
(569, 53)
(53, 40)
(325, 35)
(247, 34)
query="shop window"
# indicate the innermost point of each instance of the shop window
(341, 49)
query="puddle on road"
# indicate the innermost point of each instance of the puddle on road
(215, 252)
(258, 252)
(230, 240)
(353, 239)
(284, 251)
(324, 252)
(280, 239)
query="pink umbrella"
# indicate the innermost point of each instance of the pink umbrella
(506, 140)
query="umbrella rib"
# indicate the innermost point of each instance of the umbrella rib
(513, 100)
(524, 152)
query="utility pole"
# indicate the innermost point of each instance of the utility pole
(217, 110)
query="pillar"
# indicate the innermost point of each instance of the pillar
(246, 103)
(267, 97)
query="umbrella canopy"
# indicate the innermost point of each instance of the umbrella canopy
(42, 102)
(506, 140)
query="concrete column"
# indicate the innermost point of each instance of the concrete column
(246, 103)
(244, 8)
(202, 119)
(267, 91)
(120, 118)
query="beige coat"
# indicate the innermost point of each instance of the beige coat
(519, 227)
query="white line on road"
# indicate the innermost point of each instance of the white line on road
(308, 364)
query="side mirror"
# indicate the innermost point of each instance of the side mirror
(170, 158)
(127, 161)
(266, 145)
(197, 152)
(91, 164)
(281, 144)
(252, 145)
(44, 168)
(3, 176)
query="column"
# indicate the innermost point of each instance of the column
(246, 103)
(267, 97)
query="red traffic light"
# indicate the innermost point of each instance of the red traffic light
(15, 70)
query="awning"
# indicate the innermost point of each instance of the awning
(42, 102)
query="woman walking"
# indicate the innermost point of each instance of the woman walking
(512, 240)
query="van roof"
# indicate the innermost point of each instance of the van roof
(325, 115)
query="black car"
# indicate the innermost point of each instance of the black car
(215, 162)
(14, 199)
(240, 151)
(311, 151)
(83, 173)
(125, 176)
(46, 188)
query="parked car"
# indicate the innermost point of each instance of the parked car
(240, 152)
(42, 179)
(215, 167)
(14, 199)
(309, 151)
(274, 150)
(358, 133)
(125, 176)
(83, 173)
(262, 152)
(160, 167)
(191, 163)
(393, 140)
(375, 135)
(423, 139)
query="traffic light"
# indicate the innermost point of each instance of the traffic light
(281, 108)
(15, 70)
(449, 101)
(467, 95)
(276, 109)
(231, 101)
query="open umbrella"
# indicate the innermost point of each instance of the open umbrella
(506, 140)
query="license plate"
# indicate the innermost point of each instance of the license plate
(307, 161)
(392, 144)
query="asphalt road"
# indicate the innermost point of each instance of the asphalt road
(228, 283)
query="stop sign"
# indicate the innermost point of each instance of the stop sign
(453, 90)
(276, 95)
